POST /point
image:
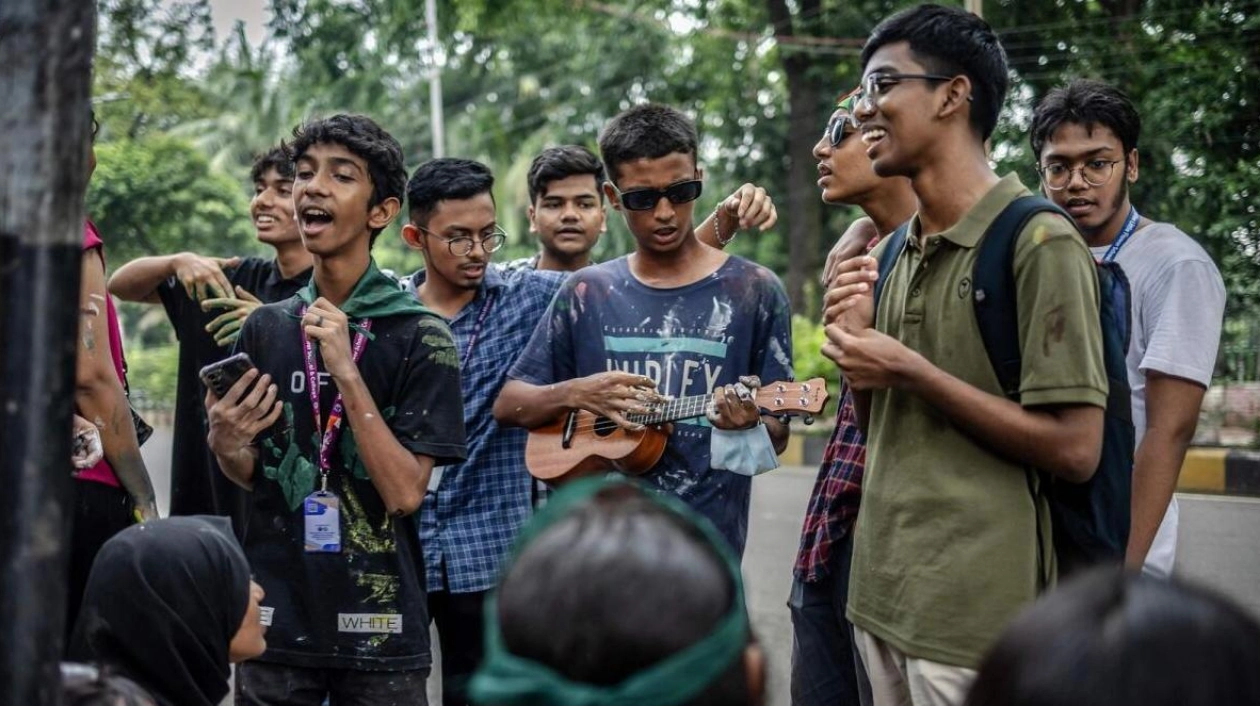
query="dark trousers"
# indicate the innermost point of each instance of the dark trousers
(259, 683)
(99, 512)
(825, 664)
(460, 626)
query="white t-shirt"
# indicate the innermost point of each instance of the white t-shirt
(1178, 304)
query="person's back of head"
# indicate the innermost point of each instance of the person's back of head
(648, 131)
(949, 41)
(618, 597)
(1109, 637)
(164, 605)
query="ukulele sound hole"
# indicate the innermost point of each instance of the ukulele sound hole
(604, 426)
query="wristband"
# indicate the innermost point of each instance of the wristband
(717, 228)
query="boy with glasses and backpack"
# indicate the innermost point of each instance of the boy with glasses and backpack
(953, 536)
(1085, 137)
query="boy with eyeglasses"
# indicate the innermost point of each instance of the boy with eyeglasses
(474, 509)
(674, 318)
(823, 654)
(953, 536)
(1085, 137)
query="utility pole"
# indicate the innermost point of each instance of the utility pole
(45, 77)
(435, 80)
(975, 7)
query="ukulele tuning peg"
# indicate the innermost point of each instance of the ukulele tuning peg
(808, 419)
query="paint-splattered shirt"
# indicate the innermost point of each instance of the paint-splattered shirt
(690, 340)
(364, 608)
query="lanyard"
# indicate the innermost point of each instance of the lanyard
(476, 333)
(333, 429)
(1130, 225)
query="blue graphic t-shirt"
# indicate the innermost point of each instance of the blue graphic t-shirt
(690, 340)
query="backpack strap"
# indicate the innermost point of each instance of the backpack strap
(888, 258)
(993, 288)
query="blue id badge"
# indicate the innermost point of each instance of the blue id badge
(322, 511)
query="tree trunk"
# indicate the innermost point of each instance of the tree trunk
(45, 78)
(804, 210)
(804, 214)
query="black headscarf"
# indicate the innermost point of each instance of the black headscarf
(163, 601)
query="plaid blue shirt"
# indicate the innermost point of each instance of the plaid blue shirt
(468, 525)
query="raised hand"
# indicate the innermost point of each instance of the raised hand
(750, 207)
(226, 327)
(202, 277)
(329, 328)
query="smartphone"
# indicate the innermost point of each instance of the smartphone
(222, 375)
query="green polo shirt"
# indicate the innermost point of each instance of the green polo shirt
(950, 540)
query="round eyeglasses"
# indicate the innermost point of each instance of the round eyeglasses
(463, 245)
(1057, 175)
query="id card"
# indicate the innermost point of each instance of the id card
(323, 522)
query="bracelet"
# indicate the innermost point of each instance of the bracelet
(717, 228)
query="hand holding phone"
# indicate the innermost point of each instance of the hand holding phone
(220, 376)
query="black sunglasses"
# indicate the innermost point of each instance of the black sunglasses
(645, 199)
(836, 132)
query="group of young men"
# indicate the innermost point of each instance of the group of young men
(368, 401)
(408, 378)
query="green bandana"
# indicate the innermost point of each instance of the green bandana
(375, 295)
(504, 678)
(848, 103)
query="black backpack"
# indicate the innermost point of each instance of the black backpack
(1090, 520)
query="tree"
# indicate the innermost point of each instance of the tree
(158, 195)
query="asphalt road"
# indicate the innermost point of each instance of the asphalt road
(1217, 543)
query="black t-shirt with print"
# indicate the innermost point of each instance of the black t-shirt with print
(365, 607)
(197, 485)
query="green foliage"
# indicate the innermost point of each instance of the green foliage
(158, 195)
(152, 374)
(758, 76)
(809, 362)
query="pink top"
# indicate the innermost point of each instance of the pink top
(93, 245)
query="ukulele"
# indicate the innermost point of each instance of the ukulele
(582, 443)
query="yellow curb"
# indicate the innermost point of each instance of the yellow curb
(1203, 470)
(794, 455)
